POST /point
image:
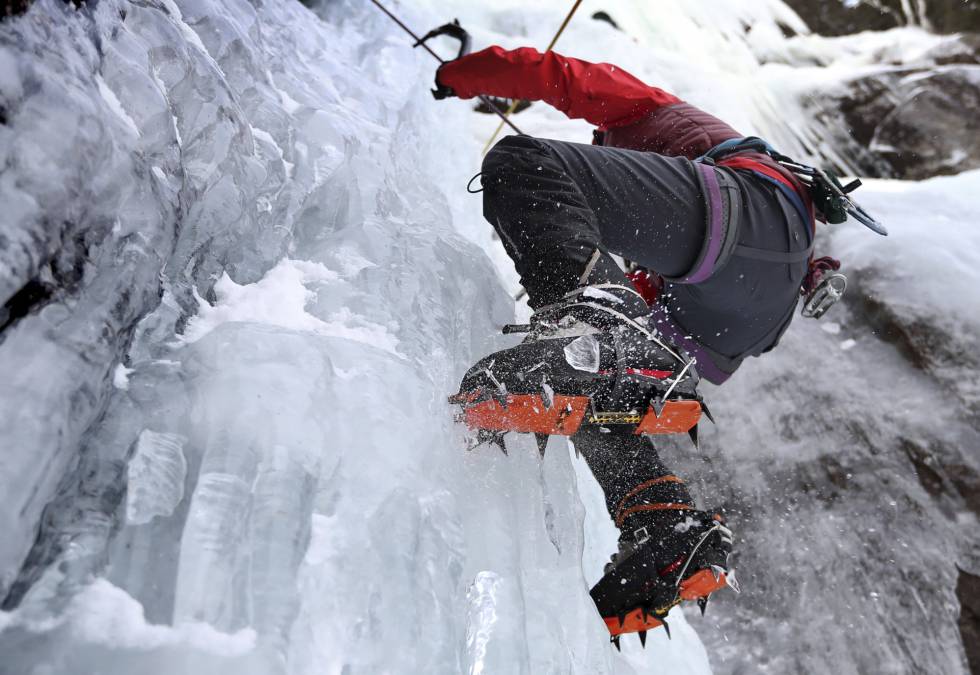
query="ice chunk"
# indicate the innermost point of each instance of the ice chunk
(831, 327)
(582, 353)
(120, 377)
(599, 294)
(482, 616)
(156, 476)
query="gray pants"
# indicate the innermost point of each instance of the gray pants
(553, 203)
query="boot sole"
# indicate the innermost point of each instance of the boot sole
(701, 584)
(527, 413)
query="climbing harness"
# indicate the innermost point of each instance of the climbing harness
(830, 198)
(456, 31)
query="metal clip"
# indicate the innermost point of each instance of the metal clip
(641, 538)
(824, 296)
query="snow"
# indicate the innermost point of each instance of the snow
(599, 294)
(260, 211)
(280, 298)
(104, 616)
(929, 240)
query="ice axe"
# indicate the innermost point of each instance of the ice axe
(454, 30)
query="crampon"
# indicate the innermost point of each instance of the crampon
(642, 583)
(555, 386)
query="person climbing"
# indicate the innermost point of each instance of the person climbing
(728, 231)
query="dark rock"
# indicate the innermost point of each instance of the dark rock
(32, 295)
(909, 123)
(934, 129)
(953, 16)
(837, 18)
(9, 8)
(13, 7)
(968, 593)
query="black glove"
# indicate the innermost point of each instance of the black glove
(441, 91)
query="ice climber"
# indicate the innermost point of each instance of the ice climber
(730, 232)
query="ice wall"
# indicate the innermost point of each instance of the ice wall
(251, 275)
(248, 268)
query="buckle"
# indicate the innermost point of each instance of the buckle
(828, 291)
(641, 538)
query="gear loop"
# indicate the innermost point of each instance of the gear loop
(470, 182)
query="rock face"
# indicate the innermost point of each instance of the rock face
(916, 124)
(914, 118)
(856, 486)
(845, 18)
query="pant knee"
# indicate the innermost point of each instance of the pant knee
(514, 156)
(515, 169)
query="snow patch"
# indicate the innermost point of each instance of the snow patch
(120, 377)
(599, 294)
(103, 614)
(280, 298)
(830, 327)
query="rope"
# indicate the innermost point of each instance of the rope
(418, 42)
(513, 106)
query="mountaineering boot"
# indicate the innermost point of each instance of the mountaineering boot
(589, 358)
(668, 552)
(683, 557)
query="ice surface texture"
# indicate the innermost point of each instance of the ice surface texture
(260, 215)
(245, 207)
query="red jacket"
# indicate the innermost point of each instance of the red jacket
(629, 113)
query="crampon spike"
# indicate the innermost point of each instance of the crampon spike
(643, 638)
(693, 433)
(615, 640)
(658, 407)
(542, 440)
(703, 604)
(707, 413)
(498, 440)
(732, 581)
(484, 436)
(663, 622)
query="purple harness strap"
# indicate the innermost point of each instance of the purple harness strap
(716, 228)
(705, 364)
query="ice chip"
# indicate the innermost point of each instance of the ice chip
(582, 353)
(599, 294)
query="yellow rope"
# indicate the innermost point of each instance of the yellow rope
(513, 106)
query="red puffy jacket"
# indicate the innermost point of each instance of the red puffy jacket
(629, 113)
